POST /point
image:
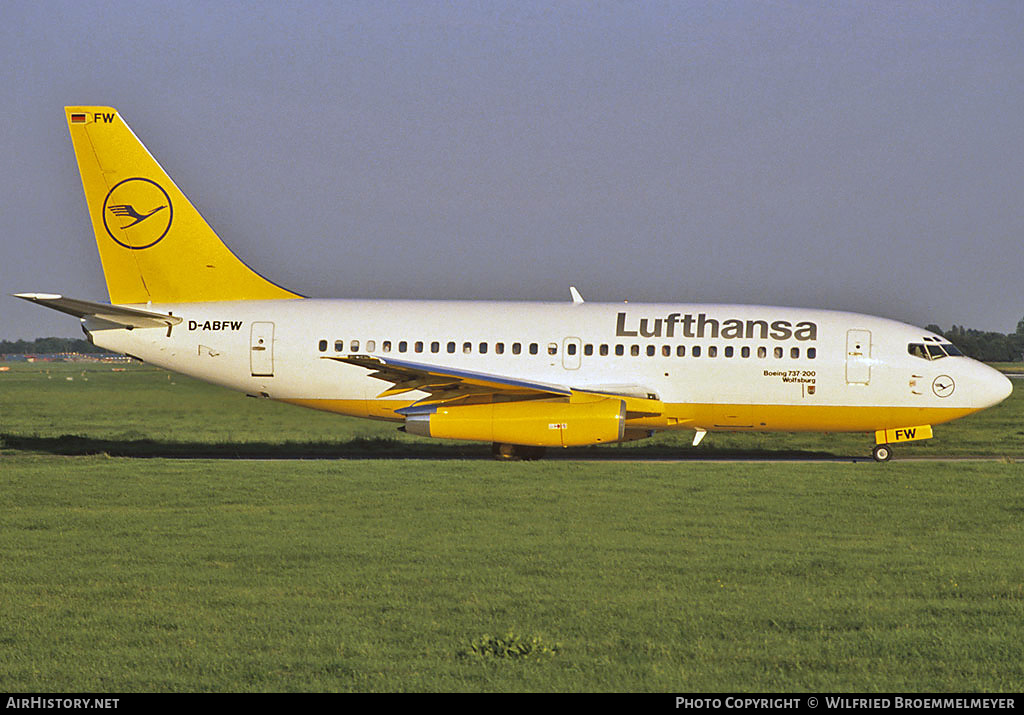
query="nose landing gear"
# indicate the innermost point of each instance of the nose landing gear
(882, 453)
(885, 437)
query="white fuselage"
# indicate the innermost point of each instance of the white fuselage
(714, 367)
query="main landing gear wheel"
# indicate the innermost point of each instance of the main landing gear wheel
(515, 451)
(882, 453)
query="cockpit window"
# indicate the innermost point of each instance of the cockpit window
(917, 350)
(931, 351)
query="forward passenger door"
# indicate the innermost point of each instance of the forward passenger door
(858, 357)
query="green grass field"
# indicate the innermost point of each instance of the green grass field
(80, 409)
(449, 572)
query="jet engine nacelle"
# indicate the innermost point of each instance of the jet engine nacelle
(540, 423)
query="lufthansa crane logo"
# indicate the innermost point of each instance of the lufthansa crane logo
(137, 213)
(943, 386)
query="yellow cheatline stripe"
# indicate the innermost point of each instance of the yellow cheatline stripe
(719, 418)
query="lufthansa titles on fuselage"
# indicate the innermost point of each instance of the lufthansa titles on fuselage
(701, 326)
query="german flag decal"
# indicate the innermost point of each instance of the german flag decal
(78, 119)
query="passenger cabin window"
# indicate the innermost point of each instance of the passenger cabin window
(386, 346)
(339, 346)
(499, 348)
(467, 348)
(517, 348)
(435, 347)
(534, 348)
(402, 346)
(451, 346)
(354, 346)
(323, 346)
(552, 348)
(370, 346)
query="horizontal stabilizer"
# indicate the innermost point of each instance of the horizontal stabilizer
(118, 315)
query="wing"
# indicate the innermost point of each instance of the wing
(443, 383)
(116, 314)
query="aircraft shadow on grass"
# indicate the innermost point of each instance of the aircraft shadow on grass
(365, 448)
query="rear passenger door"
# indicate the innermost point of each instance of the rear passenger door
(261, 349)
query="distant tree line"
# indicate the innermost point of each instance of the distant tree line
(47, 346)
(987, 346)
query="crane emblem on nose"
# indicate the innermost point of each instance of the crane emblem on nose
(943, 386)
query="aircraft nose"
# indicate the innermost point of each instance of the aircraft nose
(992, 387)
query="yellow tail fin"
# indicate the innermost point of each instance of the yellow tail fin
(154, 245)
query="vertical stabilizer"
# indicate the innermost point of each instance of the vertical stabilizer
(154, 245)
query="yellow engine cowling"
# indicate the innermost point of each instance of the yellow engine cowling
(540, 423)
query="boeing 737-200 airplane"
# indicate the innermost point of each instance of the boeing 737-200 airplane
(523, 376)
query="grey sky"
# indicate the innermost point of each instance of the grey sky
(864, 156)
